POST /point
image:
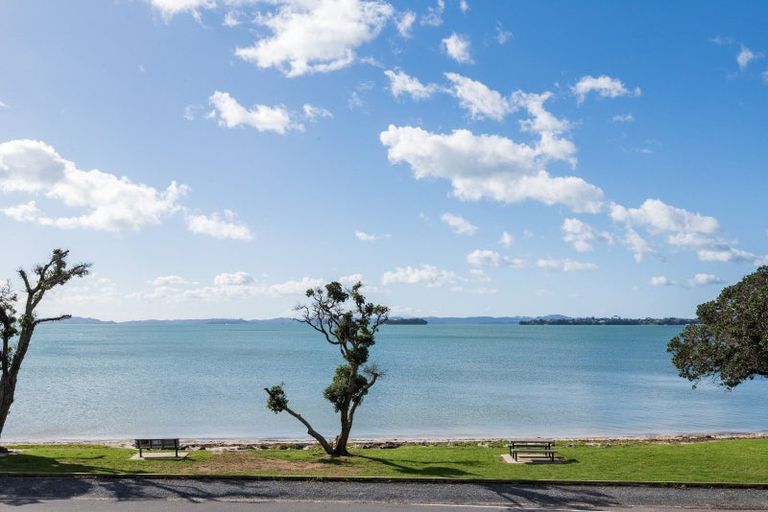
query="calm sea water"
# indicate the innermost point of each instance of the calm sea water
(118, 381)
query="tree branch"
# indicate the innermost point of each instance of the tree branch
(52, 319)
(311, 431)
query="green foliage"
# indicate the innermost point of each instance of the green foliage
(343, 385)
(731, 343)
(276, 399)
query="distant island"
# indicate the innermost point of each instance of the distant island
(614, 320)
(432, 320)
(406, 321)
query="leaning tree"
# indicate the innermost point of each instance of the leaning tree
(730, 344)
(345, 320)
(17, 329)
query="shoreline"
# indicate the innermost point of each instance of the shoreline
(392, 442)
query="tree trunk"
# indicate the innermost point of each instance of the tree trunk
(340, 447)
(7, 388)
(11, 372)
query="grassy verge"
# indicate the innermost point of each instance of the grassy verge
(732, 461)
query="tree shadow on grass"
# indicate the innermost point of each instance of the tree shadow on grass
(430, 469)
(26, 463)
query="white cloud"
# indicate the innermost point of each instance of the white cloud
(312, 112)
(367, 237)
(727, 254)
(230, 19)
(426, 274)
(355, 101)
(226, 286)
(170, 8)
(402, 83)
(623, 118)
(478, 274)
(681, 229)
(351, 279)
(434, 15)
(502, 36)
(566, 265)
(221, 226)
(744, 57)
(457, 47)
(638, 245)
(581, 235)
(662, 281)
(262, 117)
(603, 85)
(458, 224)
(25, 212)
(477, 98)
(4, 105)
(704, 280)
(316, 36)
(463, 5)
(294, 287)
(191, 111)
(110, 203)
(233, 279)
(489, 258)
(171, 280)
(405, 22)
(658, 216)
(506, 239)
(492, 166)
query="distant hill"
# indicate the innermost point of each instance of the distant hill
(610, 321)
(85, 320)
(189, 321)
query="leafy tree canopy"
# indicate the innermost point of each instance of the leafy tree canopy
(730, 345)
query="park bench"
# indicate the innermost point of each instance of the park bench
(533, 448)
(157, 444)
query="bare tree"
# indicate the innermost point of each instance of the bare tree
(345, 320)
(17, 330)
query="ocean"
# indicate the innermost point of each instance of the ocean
(206, 381)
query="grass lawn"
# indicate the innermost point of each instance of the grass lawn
(741, 461)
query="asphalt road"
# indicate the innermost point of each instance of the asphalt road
(169, 495)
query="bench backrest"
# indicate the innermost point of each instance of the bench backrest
(157, 444)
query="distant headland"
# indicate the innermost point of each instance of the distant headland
(406, 321)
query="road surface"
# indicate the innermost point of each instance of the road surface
(63, 494)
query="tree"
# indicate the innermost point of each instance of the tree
(347, 321)
(730, 345)
(17, 331)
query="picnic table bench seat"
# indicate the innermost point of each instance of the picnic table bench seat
(158, 444)
(533, 447)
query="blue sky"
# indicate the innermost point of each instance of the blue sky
(216, 157)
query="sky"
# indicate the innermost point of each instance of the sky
(215, 158)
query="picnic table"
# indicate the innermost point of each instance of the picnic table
(533, 447)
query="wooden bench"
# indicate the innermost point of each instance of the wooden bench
(533, 447)
(157, 444)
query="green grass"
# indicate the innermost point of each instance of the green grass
(733, 461)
